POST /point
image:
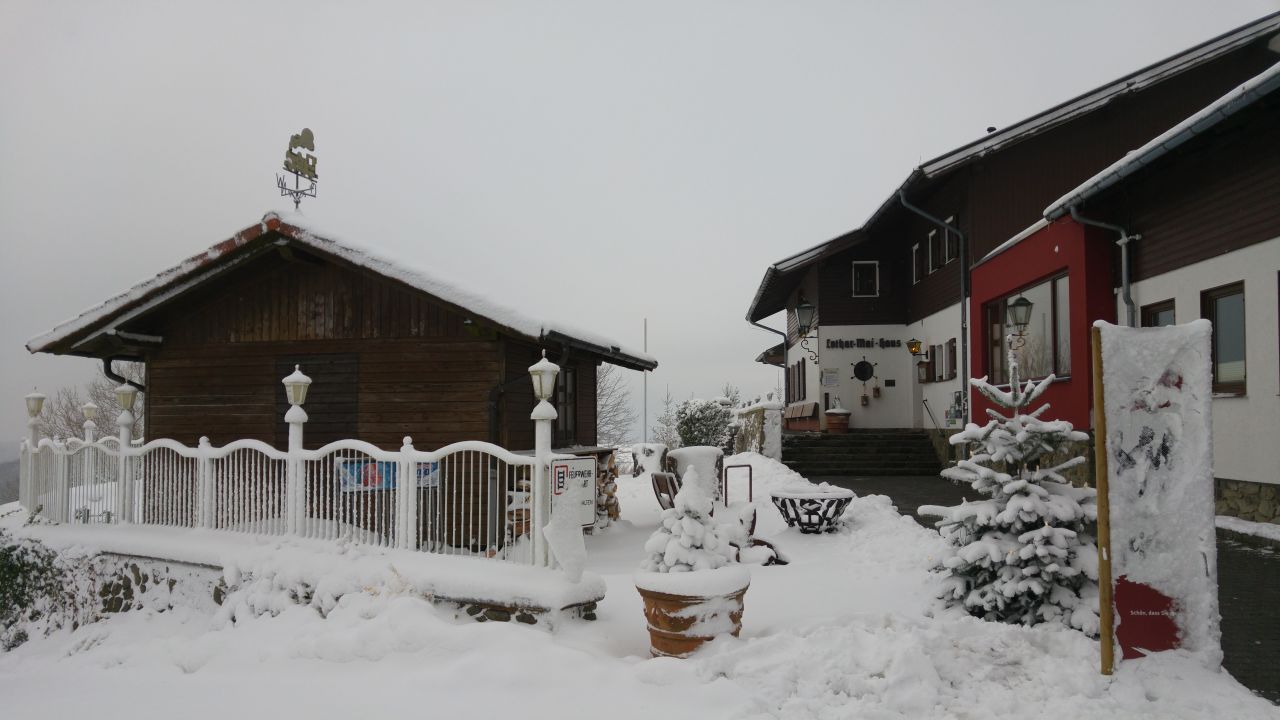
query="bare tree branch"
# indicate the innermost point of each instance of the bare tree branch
(615, 418)
(63, 418)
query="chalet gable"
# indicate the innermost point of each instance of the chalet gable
(114, 328)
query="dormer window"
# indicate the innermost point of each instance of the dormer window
(866, 278)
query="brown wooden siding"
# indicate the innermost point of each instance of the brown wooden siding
(433, 391)
(518, 401)
(1194, 205)
(1010, 188)
(418, 369)
(835, 288)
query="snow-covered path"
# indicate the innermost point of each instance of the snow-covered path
(848, 629)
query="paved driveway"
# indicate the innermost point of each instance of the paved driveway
(1248, 580)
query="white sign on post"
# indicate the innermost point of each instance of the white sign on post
(573, 484)
(1157, 391)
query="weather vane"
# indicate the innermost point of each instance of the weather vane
(301, 165)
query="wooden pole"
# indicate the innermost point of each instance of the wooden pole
(1106, 615)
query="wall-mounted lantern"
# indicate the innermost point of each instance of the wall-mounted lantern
(1019, 314)
(804, 316)
(914, 346)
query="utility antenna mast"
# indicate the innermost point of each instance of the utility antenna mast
(299, 161)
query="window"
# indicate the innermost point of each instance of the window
(1224, 307)
(1158, 314)
(951, 360)
(1045, 347)
(566, 407)
(938, 363)
(936, 259)
(917, 263)
(952, 248)
(866, 278)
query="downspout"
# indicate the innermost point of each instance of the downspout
(115, 377)
(964, 292)
(785, 381)
(1131, 313)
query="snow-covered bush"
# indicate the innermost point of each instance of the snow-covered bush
(703, 422)
(688, 539)
(1024, 554)
(40, 591)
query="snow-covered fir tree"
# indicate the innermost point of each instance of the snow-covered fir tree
(689, 538)
(1023, 554)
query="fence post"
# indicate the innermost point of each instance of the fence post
(89, 476)
(124, 479)
(295, 390)
(406, 498)
(61, 486)
(204, 485)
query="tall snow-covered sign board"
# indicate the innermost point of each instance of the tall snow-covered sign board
(1157, 393)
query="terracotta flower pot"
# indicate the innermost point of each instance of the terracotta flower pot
(837, 422)
(685, 610)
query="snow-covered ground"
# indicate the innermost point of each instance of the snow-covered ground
(848, 629)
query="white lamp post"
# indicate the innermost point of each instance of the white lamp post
(295, 389)
(35, 403)
(543, 374)
(90, 412)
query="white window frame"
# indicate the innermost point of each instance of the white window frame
(931, 268)
(853, 270)
(915, 263)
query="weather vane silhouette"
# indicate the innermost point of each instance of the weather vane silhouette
(299, 161)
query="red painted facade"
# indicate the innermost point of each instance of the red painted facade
(1084, 255)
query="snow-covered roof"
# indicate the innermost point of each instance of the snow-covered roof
(782, 276)
(1093, 99)
(1224, 107)
(198, 268)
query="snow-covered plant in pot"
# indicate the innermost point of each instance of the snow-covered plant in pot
(691, 585)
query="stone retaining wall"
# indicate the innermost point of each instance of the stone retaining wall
(1259, 502)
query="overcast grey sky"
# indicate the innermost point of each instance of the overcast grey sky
(658, 155)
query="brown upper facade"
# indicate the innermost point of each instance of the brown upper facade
(997, 186)
(392, 352)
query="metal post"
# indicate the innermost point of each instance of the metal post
(294, 498)
(543, 416)
(124, 479)
(204, 486)
(407, 498)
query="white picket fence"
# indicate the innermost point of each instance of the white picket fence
(470, 498)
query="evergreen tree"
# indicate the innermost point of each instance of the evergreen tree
(665, 431)
(1024, 554)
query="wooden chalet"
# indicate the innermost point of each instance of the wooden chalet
(392, 352)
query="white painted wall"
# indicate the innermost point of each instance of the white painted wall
(1245, 429)
(893, 409)
(937, 329)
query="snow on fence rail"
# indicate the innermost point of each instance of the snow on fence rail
(470, 498)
